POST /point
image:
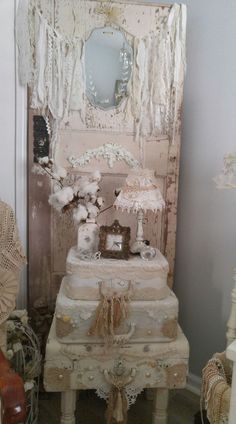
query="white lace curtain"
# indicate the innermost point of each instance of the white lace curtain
(53, 66)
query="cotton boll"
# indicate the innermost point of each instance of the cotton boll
(82, 184)
(96, 176)
(89, 188)
(93, 188)
(60, 171)
(37, 170)
(28, 385)
(61, 198)
(117, 191)
(9, 354)
(66, 194)
(92, 210)
(56, 187)
(53, 201)
(100, 201)
(80, 214)
(93, 199)
(76, 188)
(44, 160)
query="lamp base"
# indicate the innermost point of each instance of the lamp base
(137, 246)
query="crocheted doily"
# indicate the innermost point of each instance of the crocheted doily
(8, 290)
(130, 392)
(12, 256)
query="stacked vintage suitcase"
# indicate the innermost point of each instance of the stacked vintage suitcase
(144, 347)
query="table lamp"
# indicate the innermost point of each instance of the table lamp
(139, 195)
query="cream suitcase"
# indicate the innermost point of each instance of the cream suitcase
(147, 321)
(78, 366)
(148, 278)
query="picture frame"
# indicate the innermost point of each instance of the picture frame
(114, 241)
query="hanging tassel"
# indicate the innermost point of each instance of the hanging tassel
(118, 409)
(117, 406)
(111, 310)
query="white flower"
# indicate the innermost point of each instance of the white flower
(92, 210)
(9, 354)
(80, 214)
(28, 385)
(17, 346)
(10, 325)
(19, 313)
(24, 320)
(61, 198)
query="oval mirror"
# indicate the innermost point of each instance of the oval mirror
(108, 66)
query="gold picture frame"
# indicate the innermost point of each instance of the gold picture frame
(114, 241)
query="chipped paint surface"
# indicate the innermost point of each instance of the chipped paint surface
(50, 235)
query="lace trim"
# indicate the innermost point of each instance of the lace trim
(53, 65)
(47, 61)
(131, 393)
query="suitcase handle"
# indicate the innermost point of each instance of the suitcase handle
(120, 376)
(108, 291)
(124, 338)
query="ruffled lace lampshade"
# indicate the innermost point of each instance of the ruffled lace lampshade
(227, 178)
(139, 195)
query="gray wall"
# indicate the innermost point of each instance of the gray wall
(206, 237)
(7, 103)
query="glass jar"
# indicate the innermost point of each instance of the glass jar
(148, 253)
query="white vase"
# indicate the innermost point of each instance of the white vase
(88, 236)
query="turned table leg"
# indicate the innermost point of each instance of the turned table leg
(160, 405)
(68, 404)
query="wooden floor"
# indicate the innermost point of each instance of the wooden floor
(183, 406)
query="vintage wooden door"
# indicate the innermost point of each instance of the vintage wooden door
(52, 234)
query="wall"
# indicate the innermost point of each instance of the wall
(206, 230)
(206, 253)
(206, 238)
(7, 102)
(13, 129)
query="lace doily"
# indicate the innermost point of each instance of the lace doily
(8, 291)
(12, 256)
(130, 392)
(12, 259)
